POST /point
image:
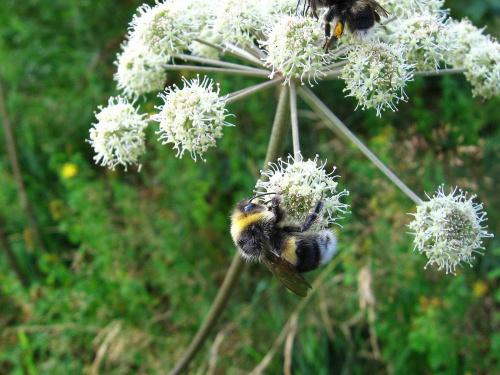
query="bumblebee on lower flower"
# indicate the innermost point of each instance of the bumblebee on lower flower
(263, 232)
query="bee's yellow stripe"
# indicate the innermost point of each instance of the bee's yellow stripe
(289, 251)
(240, 221)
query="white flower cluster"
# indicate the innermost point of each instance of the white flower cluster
(376, 75)
(417, 35)
(192, 117)
(302, 183)
(448, 229)
(139, 71)
(118, 136)
(294, 48)
(420, 34)
(237, 21)
(165, 29)
(156, 34)
(406, 8)
(427, 39)
(480, 55)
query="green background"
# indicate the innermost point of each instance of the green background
(131, 261)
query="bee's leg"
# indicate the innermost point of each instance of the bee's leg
(309, 220)
(297, 7)
(305, 8)
(311, 4)
(276, 209)
(329, 16)
(313, 216)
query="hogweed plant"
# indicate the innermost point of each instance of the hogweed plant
(284, 47)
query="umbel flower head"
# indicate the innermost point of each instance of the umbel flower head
(294, 48)
(427, 38)
(406, 8)
(118, 137)
(480, 55)
(237, 21)
(302, 183)
(169, 27)
(376, 75)
(139, 71)
(448, 229)
(192, 117)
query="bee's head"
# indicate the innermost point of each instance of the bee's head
(250, 206)
(248, 215)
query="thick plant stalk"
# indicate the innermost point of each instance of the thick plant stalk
(223, 64)
(240, 94)
(208, 69)
(439, 72)
(235, 52)
(16, 170)
(4, 243)
(262, 366)
(331, 120)
(274, 150)
(295, 121)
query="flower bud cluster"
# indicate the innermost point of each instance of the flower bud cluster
(302, 184)
(376, 74)
(448, 229)
(118, 137)
(427, 40)
(294, 47)
(480, 55)
(156, 34)
(192, 117)
(237, 21)
(406, 8)
(139, 71)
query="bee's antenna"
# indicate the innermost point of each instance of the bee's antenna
(259, 195)
(297, 7)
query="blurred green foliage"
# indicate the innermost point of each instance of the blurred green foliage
(133, 260)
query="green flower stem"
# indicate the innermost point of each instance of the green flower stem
(206, 61)
(388, 21)
(295, 120)
(338, 64)
(12, 154)
(235, 52)
(11, 256)
(207, 69)
(220, 302)
(335, 124)
(250, 55)
(439, 72)
(340, 51)
(256, 50)
(332, 75)
(240, 94)
(280, 129)
(274, 150)
(261, 367)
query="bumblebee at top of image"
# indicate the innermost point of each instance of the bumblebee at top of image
(264, 232)
(359, 16)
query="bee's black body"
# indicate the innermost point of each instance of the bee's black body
(359, 16)
(260, 232)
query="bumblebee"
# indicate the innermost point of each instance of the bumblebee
(359, 16)
(263, 232)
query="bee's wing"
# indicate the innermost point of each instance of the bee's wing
(284, 271)
(379, 11)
